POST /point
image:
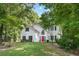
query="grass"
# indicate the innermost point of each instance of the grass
(25, 49)
(31, 49)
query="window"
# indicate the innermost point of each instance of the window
(51, 37)
(43, 32)
(27, 29)
(30, 38)
(24, 38)
(52, 29)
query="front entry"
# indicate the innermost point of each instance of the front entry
(42, 39)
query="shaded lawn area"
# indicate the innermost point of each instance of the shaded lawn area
(25, 49)
(32, 49)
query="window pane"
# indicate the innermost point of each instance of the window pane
(43, 32)
(27, 29)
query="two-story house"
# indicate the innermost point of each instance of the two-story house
(36, 33)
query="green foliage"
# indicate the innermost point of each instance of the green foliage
(67, 16)
(45, 20)
(14, 17)
(69, 44)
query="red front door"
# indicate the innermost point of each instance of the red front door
(42, 39)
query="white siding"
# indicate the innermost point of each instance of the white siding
(39, 29)
(56, 32)
(27, 33)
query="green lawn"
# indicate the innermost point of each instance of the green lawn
(25, 49)
(31, 49)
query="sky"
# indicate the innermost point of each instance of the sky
(39, 9)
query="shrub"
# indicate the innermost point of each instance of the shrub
(69, 44)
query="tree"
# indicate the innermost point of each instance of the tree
(14, 17)
(66, 15)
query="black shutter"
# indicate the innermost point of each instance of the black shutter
(55, 28)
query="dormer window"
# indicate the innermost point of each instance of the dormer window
(42, 32)
(27, 29)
